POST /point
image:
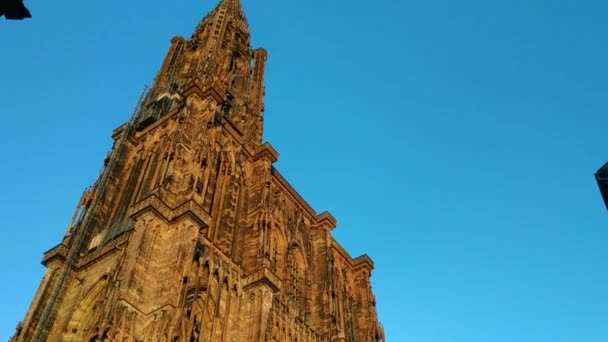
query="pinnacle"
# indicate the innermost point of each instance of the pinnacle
(227, 10)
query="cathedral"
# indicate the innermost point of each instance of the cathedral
(190, 233)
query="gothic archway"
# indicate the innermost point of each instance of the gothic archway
(86, 317)
(278, 251)
(297, 279)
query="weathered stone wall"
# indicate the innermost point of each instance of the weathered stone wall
(196, 236)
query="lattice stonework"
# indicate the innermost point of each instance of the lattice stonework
(190, 233)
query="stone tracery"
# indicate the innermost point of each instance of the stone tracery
(218, 245)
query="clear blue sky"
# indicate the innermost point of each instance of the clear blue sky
(454, 141)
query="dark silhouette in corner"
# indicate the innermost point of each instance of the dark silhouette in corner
(14, 9)
(601, 176)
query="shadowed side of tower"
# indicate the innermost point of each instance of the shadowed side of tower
(190, 233)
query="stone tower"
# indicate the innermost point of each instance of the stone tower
(190, 233)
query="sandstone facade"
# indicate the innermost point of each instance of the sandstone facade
(190, 233)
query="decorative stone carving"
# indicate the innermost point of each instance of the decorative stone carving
(214, 245)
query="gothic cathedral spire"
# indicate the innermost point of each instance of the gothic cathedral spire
(219, 57)
(190, 233)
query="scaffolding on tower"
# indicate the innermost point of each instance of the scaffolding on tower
(82, 236)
